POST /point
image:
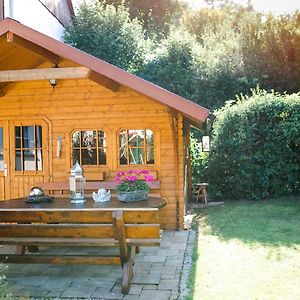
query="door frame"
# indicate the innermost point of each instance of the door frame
(6, 157)
(9, 145)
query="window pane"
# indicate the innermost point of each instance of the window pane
(89, 139)
(136, 156)
(39, 158)
(1, 138)
(38, 136)
(28, 136)
(123, 156)
(89, 156)
(76, 139)
(150, 155)
(76, 156)
(122, 138)
(29, 160)
(150, 137)
(18, 136)
(102, 156)
(1, 161)
(136, 138)
(101, 139)
(18, 159)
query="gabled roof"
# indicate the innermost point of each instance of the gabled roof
(192, 111)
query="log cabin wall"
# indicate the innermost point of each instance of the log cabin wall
(83, 104)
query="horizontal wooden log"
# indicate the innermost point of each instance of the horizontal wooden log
(61, 260)
(86, 242)
(141, 217)
(59, 241)
(42, 74)
(57, 230)
(77, 230)
(87, 217)
(142, 231)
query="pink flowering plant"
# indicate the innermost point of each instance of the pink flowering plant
(133, 180)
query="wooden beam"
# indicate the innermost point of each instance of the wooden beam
(105, 81)
(19, 41)
(42, 74)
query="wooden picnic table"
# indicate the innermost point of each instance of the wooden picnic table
(62, 223)
(64, 204)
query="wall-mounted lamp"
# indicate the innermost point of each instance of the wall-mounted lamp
(53, 81)
(205, 142)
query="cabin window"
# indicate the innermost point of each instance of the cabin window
(136, 147)
(89, 147)
(28, 148)
(1, 150)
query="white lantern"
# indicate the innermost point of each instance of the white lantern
(77, 183)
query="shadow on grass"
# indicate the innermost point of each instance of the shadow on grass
(272, 222)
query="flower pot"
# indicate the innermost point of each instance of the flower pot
(132, 196)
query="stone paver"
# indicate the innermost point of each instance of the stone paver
(157, 273)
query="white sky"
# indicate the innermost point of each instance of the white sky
(273, 6)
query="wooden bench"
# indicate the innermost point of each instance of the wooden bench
(126, 228)
(201, 192)
(63, 188)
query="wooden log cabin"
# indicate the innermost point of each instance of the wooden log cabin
(94, 112)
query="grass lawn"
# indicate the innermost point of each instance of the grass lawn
(247, 250)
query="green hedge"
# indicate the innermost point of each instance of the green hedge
(256, 147)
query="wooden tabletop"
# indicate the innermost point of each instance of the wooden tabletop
(64, 204)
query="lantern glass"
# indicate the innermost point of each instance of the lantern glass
(206, 143)
(77, 184)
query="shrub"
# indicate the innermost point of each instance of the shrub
(256, 147)
(107, 32)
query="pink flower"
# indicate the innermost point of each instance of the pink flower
(133, 178)
(149, 178)
(117, 179)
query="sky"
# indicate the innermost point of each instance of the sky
(274, 6)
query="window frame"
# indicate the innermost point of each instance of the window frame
(154, 147)
(35, 147)
(97, 148)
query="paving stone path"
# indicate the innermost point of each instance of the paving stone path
(157, 275)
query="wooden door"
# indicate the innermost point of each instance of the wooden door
(4, 160)
(29, 155)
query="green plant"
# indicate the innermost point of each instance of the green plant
(107, 32)
(256, 147)
(133, 180)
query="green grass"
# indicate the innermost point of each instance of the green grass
(247, 250)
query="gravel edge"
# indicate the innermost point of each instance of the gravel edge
(186, 267)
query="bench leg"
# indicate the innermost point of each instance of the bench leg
(205, 195)
(20, 249)
(127, 274)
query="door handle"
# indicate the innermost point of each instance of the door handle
(5, 170)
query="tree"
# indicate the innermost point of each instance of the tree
(156, 15)
(107, 32)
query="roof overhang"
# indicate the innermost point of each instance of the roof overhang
(101, 71)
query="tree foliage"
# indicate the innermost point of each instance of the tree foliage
(107, 32)
(156, 15)
(256, 147)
